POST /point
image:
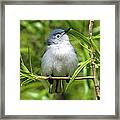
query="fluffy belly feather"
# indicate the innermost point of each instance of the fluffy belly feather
(59, 60)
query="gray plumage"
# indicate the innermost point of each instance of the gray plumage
(60, 58)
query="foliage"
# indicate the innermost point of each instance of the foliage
(33, 43)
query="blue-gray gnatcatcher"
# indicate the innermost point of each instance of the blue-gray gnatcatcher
(59, 59)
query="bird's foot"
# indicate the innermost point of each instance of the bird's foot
(50, 79)
(68, 79)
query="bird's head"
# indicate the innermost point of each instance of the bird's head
(57, 36)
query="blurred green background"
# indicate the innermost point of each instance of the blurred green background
(33, 43)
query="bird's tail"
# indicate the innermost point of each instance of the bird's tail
(59, 86)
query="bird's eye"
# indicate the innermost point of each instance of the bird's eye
(58, 36)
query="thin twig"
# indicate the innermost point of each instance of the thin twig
(62, 78)
(96, 84)
(39, 78)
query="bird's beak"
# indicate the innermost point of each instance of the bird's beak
(67, 30)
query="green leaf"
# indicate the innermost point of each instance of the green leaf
(96, 37)
(23, 67)
(95, 48)
(77, 71)
(25, 82)
(80, 36)
(85, 40)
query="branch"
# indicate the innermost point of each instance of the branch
(96, 84)
(39, 78)
(62, 78)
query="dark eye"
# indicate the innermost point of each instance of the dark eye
(58, 36)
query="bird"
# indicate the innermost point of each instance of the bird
(59, 59)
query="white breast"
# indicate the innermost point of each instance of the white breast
(59, 60)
